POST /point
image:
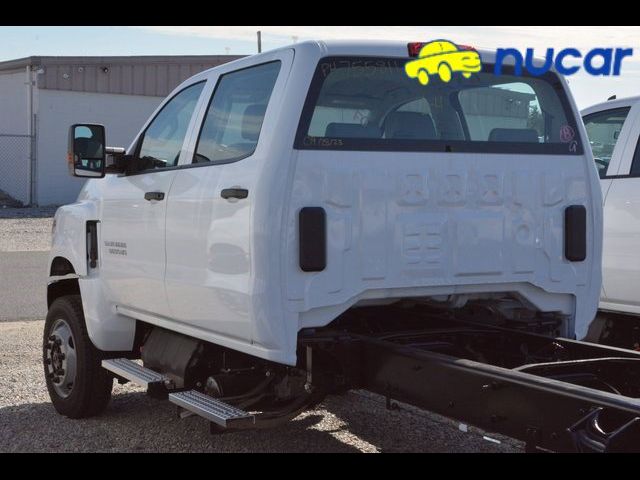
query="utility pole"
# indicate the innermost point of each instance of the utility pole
(259, 41)
(31, 131)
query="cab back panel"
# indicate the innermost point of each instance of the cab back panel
(397, 220)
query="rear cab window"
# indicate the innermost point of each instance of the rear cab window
(367, 103)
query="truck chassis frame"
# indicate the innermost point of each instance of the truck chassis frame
(554, 394)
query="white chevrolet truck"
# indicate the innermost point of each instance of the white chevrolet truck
(312, 219)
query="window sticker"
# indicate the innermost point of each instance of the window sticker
(567, 134)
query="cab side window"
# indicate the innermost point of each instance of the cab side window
(162, 142)
(234, 118)
(635, 166)
(603, 129)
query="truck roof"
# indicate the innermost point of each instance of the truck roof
(378, 48)
(609, 104)
(394, 48)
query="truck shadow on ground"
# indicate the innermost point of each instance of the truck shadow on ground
(135, 422)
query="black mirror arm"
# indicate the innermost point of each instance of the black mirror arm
(119, 160)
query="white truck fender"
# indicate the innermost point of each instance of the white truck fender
(107, 330)
(68, 238)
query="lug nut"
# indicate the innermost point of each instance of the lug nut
(61, 356)
(60, 371)
(57, 341)
(50, 375)
(56, 380)
(52, 338)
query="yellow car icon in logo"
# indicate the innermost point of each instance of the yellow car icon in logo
(443, 57)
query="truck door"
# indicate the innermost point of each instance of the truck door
(605, 129)
(134, 209)
(617, 131)
(209, 277)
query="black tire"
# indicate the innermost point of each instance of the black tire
(91, 390)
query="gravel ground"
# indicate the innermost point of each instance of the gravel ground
(355, 422)
(25, 229)
(133, 422)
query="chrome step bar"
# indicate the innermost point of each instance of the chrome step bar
(216, 411)
(136, 373)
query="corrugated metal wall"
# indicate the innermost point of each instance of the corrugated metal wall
(129, 77)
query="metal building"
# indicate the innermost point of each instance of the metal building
(41, 96)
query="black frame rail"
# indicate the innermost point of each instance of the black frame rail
(585, 399)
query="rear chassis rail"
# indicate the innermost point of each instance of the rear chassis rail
(554, 394)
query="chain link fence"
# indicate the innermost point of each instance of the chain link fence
(15, 169)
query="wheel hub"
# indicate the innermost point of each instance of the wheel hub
(60, 357)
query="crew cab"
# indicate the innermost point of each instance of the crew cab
(613, 128)
(300, 221)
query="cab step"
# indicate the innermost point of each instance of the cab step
(216, 411)
(136, 373)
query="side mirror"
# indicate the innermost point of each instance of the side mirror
(86, 152)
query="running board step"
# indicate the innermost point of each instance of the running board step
(136, 373)
(216, 411)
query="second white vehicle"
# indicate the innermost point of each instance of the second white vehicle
(613, 128)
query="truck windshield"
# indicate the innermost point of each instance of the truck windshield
(365, 103)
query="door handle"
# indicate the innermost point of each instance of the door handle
(238, 193)
(154, 196)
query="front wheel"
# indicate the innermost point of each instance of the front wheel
(78, 385)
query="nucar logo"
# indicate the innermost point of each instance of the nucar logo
(597, 62)
(443, 58)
